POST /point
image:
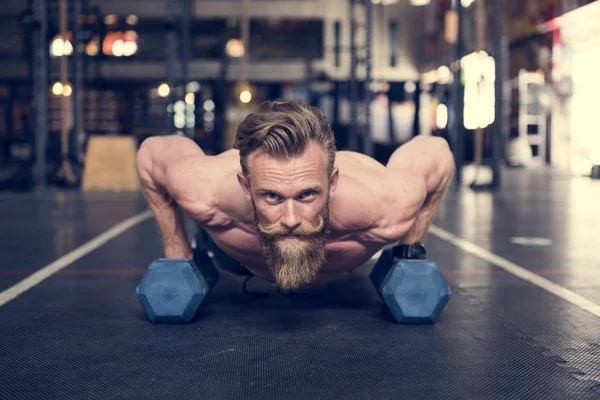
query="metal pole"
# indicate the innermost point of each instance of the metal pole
(352, 132)
(65, 100)
(185, 53)
(498, 131)
(458, 91)
(40, 87)
(221, 103)
(308, 79)
(367, 144)
(78, 95)
(480, 44)
(171, 7)
(245, 32)
(64, 79)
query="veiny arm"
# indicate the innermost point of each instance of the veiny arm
(430, 161)
(155, 160)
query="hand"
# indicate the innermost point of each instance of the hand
(413, 251)
(179, 251)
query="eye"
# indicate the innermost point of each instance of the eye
(308, 195)
(271, 196)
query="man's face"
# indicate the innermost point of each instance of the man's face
(291, 212)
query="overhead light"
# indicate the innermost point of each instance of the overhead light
(209, 105)
(56, 47)
(110, 19)
(129, 48)
(235, 48)
(60, 47)
(245, 96)
(67, 48)
(190, 121)
(118, 48)
(164, 90)
(130, 36)
(420, 2)
(179, 120)
(57, 89)
(192, 86)
(67, 90)
(131, 19)
(190, 98)
(91, 48)
(179, 107)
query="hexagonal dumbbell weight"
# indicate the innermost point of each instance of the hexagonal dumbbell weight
(412, 287)
(173, 289)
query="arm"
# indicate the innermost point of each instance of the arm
(373, 201)
(156, 156)
(430, 162)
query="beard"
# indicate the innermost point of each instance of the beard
(297, 260)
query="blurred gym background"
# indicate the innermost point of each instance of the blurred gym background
(509, 83)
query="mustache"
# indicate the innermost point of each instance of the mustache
(280, 230)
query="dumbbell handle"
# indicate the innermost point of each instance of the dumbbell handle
(414, 251)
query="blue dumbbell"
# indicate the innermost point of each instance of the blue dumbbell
(412, 287)
(173, 289)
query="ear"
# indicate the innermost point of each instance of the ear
(244, 183)
(333, 180)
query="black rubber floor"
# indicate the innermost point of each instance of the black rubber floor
(80, 334)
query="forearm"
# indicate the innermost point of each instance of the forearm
(426, 214)
(167, 213)
(432, 160)
(169, 219)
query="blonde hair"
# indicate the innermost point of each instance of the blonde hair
(283, 129)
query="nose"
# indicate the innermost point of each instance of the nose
(291, 218)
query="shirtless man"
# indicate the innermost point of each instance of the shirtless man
(285, 203)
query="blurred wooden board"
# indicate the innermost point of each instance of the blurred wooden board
(110, 164)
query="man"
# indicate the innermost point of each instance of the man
(285, 203)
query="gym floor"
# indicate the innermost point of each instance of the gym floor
(523, 321)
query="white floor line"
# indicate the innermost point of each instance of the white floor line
(69, 258)
(518, 271)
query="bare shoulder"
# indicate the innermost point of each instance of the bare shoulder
(206, 187)
(376, 203)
